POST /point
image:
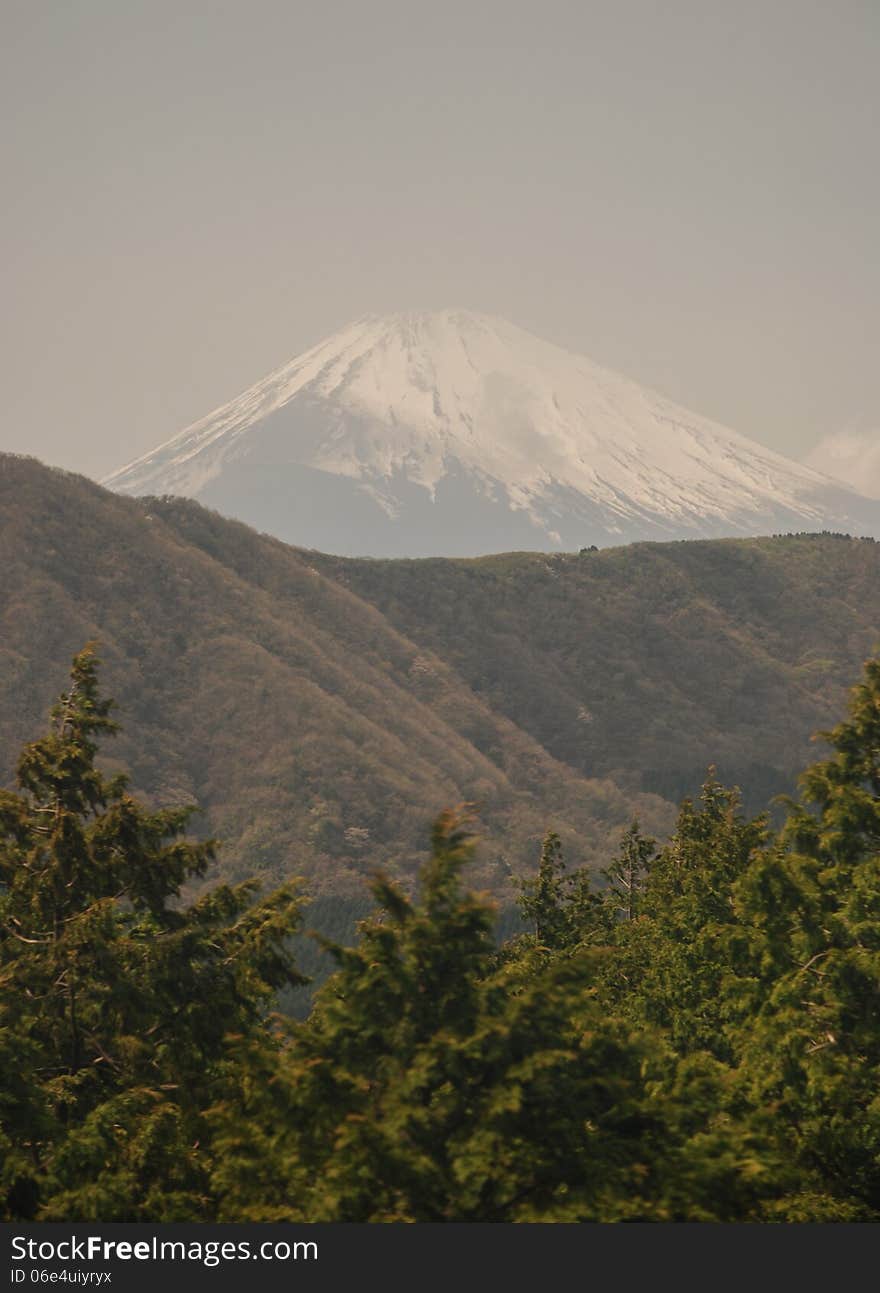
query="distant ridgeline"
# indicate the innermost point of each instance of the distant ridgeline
(825, 534)
(320, 709)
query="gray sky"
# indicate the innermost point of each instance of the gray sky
(689, 192)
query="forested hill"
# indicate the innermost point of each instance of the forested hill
(317, 738)
(322, 710)
(647, 662)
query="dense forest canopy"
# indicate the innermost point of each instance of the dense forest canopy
(694, 1036)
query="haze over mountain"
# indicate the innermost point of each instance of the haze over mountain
(456, 433)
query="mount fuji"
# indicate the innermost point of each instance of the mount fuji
(455, 433)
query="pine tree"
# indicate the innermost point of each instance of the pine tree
(117, 996)
(364, 1089)
(561, 906)
(432, 1084)
(813, 1052)
(677, 962)
(543, 899)
(627, 872)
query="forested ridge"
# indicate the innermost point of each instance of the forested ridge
(692, 1035)
(309, 731)
(319, 710)
(647, 662)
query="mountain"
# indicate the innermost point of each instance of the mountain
(646, 663)
(318, 740)
(321, 710)
(455, 433)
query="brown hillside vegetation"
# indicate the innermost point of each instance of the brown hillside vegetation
(322, 710)
(318, 739)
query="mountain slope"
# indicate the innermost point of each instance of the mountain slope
(456, 433)
(318, 739)
(321, 710)
(647, 663)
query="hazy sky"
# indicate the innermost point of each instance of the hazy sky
(193, 192)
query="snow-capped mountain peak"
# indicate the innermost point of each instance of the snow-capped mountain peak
(458, 432)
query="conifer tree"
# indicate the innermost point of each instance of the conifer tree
(543, 900)
(813, 1053)
(116, 996)
(698, 1041)
(560, 905)
(627, 872)
(676, 962)
(365, 1089)
(430, 1084)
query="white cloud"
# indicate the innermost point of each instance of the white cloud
(850, 456)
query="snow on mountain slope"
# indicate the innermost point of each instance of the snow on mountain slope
(459, 433)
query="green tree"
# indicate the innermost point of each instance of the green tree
(430, 1084)
(677, 962)
(561, 907)
(812, 1052)
(627, 872)
(115, 995)
(358, 1106)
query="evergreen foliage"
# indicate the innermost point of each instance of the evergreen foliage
(115, 998)
(691, 1035)
(814, 1056)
